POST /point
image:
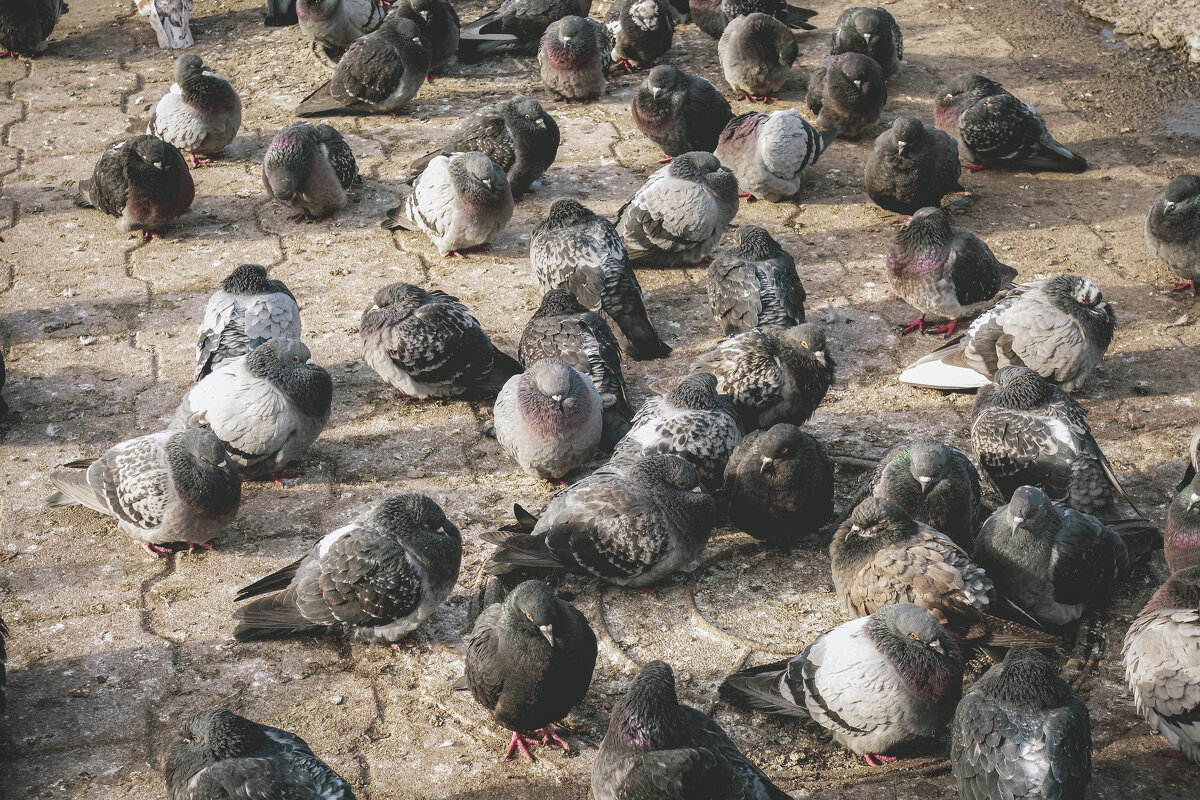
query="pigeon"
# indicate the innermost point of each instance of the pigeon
(459, 202)
(756, 52)
(25, 26)
(379, 73)
(995, 129)
(780, 485)
(267, 407)
(1021, 732)
(310, 167)
(577, 250)
(335, 24)
(143, 181)
(947, 273)
(1162, 662)
(516, 134)
(659, 749)
(912, 166)
(562, 328)
(1182, 533)
(692, 421)
(280, 13)
(753, 282)
(549, 418)
(1173, 230)
(201, 112)
(712, 16)
(872, 32)
(519, 23)
(574, 55)
(1058, 327)
(167, 490)
(640, 32)
(529, 662)
(634, 527)
(874, 684)
(847, 92)
(220, 755)
(170, 21)
(374, 580)
(426, 344)
(438, 24)
(1028, 431)
(772, 375)
(769, 153)
(679, 112)
(246, 311)
(1193, 458)
(680, 213)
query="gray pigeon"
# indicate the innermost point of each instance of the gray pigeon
(769, 153)
(310, 167)
(947, 273)
(1173, 230)
(640, 32)
(872, 32)
(459, 202)
(519, 23)
(25, 26)
(219, 755)
(167, 490)
(574, 56)
(374, 580)
(143, 181)
(335, 24)
(680, 213)
(912, 166)
(659, 749)
(438, 24)
(246, 311)
(426, 344)
(756, 53)
(1058, 327)
(267, 407)
(847, 92)
(1021, 732)
(549, 418)
(753, 282)
(200, 114)
(712, 16)
(1181, 536)
(679, 112)
(580, 251)
(875, 684)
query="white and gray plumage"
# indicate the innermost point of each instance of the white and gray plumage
(25, 25)
(142, 181)
(756, 52)
(573, 57)
(170, 20)
(337, 23)
(247, 310)
(1173, 229)
(165, 488)
(769, 152)
(200, 114)
(754, 282)
(847, 92)
(912, 166)
(267, 407)
(459, 202)
(872, 32)
(518, 24)
(639, 32)
(221, 756)
(309, 167)
(680, 213)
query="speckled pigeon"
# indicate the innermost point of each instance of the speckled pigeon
(756, 52)
(438, 24)
(310, 167)
(143, 181)
(847, 92)
(912, 166)
(574, 56)
(25, 26)
(518, 23)
(200, 114)
(639, 31)
(769, 152)
(1181, 536)
(679, 112)
(872, 32)
(753, 282)
(711, 16)
(1173, 230)
(248, 309)
(335, 24)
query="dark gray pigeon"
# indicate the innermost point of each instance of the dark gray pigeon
(200, 114)
(1021, 732)
(659, 749)
(335, 24)
(912, 166)
(374, 580)
(247, 310)
(847, 92)
(167, 490)
(995, 129)
(1059, 327)
(712, 16)
(872, 32)
(875, 684)
(574, 56)
(519, 24)
(143, 181)
(25, 26)
(639, 32)
(769, 152)
(753, 282)
(1173, 230)
(219, 756)
(780, 485)
(947, 273)
(529, 662)
(1181, 537)
(756, 52)
(310, 167)
(679, 112)
(280, 13)
(438, 24)
(426, 344)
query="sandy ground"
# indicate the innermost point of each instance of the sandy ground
(111, 649)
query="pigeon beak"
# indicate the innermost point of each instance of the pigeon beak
(311, 363)
(858, 84)
(924, 480)
(655, 91)
(936, 646)
(867, 36)
(1192, 501)
(697, 489)
(900, 147)
(487, 182)
(556, 398)
(767, 462)
(1169, 207)
(855, 529)
(541, 123)
(1016, 521)
(548, 632)
(157, 165)
(820, 356)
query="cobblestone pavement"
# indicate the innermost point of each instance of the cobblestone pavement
(112, 648)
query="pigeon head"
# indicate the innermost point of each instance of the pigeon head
(875, 523)
(403, 26)
(867, 22)
(1188, 500)
(205, 477)
(1181, 189)
(860, 74)
(1181, 537)
(808, 339)
(667, 469)
(403, 295)
(699, 392)
(1020, 387)
(1175, 216)
(317, 9)
(692, 166)
(1032, 510)
(566, 213)
(150, 152)
(1025, 680)
(408, 515)
(927, 461)
(551, 396)
(921, 652)
(675, 483)
(648, 717)
(477, 176)
(928, 228)
(779, 444)
(570, 41)
(906, 132)
(423, 7)
(755, 244)
(557, 303)
(1182, 590)
(664, 79)
(288, 365)
(1081, 299)
(962, 89)
(532, 609)
(249, 279)
(527, 109)
(186, 66)
(221, 734)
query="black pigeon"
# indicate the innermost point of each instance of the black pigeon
(753, 282)
(658, 749)
(26, 24)
(529, 662)
(574, 57)
(872, 32)
(711, 16)
(640, 32)
(143, 181)
(912, 166)
(1182, 533)
(1173, 230)
(520, 23)
(280, 13)
(438, 24)
(679, 112)
(847, 92)
(220, 756)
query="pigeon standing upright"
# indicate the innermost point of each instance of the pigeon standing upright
(309, 167)
(912, 166)
(935, 483)
(769, 153)
(872, 32)
(756, 52)
(25, 26)
(679, 112)
(335, 24)
(170, 20)
(712, 16)
(519, 23)
(1181, 537)
(574, 56)
(847, 92)
(640, 31)
(754, 282)
(248, 309)
(438, 24)
(200, 114)
(143, 181)
(1173, 230)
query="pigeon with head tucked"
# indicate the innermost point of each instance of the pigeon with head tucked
(639, 31)
(310, 167)
(1181, 536)
(248, 309)
(25, 26)
(679, 112)
(574, 56)
(912, 166)
(143, 181)
(200, 114)
(1173, 230)
(847, 92)
(770, 152)
(336, 24)
(872, 32)
(518, 24)
(753, 282)
(712, 16)
(756, 52)
(438, 24)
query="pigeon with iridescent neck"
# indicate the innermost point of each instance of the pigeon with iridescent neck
(574, 56)
(872, 32)
(1173, 230)
(912, 166)
(310, 167)
(1182, 533)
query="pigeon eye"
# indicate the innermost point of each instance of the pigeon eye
(914, 637)
(804, 344)
(296, 359)
(529, 617)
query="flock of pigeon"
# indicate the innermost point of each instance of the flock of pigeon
(923, 569)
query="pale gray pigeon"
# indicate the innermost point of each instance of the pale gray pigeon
(756, 53)
(246, 311)
(573, 58)
(25, 26)
(753, 282)
(1173, 230)
(143, 182)
(200, 114)
(310, 167)
(640, 32)
(847, 92)
(335, 24)
(769, 152)
(912, 166)
(872, 32)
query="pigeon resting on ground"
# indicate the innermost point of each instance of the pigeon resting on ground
(679, 112)
(847, 92)
(170, 21)
(438, 24)
(375, 580)
(712, 16)
(659, 749)
(640, 31)
(310, 167)
(335, 24)
(753, 282)
(220, 755)
(574, 56)
(426, 344)
(756, 53)
(143, 181)
(246, 311)
(912, 166)
(1182, 534)
(1173, 229)
(167, 490)
(875, 684)
(1021, 732)
(935, 483)
(25, 26)
(200, 114)
(769, 153)
(995, 129)
(872, 32)
(520, 23)
(529, 662)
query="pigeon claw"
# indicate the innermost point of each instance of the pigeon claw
(159, 549)
(974, 167)
(552, 734)
(430, 77)
(666, 159)
(202, 545)
(947, 328)
(917, 324)
(1183, 286)
(147, 235)
(877, 759)
(748, 197)
(278, 477)
(519, 741)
